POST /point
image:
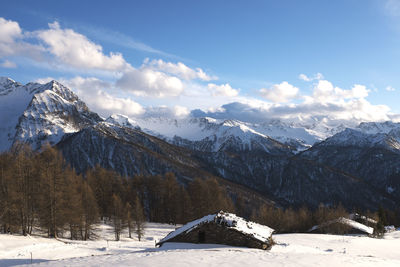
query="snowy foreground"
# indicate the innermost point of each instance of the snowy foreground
(291, 250)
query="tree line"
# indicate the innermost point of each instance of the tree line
(41, 191)
(302, 220)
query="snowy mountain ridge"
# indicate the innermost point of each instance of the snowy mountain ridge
(367, 137)
(216, 131)
(297, 136)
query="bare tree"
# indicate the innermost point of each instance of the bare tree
(129, 219)
(139, 219)
(117, 216)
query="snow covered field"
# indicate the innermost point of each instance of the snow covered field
(291, 250)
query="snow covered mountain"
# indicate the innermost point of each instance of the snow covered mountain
(354, 137)
(208, 134)
(38, 113)
(290, 163)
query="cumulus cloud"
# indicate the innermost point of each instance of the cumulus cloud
(317, 76)
(327, 104)
(76, 50)
(150, 83)
(179, 69)
(352, 111)
(92, 91)
(8, 64)
(390, 88)
(222, 90)
(180, 111)
(325, 91)
(106, 103)
(9, 31)
(12, 43)
(280, 93)
(64, 47)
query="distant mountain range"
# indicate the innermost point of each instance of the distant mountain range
(290, 163)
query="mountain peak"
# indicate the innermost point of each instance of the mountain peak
(122, 120)
(4, 80)
(57, 88)
(7, 85)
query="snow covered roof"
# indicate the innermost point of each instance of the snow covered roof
(351, 223)
(258, 231)
(354, 216)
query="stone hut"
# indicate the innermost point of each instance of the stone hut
(342, 226)
(222, 228)
(363, 219)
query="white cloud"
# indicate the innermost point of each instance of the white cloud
(390, 88)
(64, 47)
(150, 83)
(106, 103)
(179, 69)
(354, 111)
(8, 64)
(9, 31)
(76, 50)
(280, 93)
(11, 42)
(317, 76)
(180, 111)
(328, 103)
(222, 90)
(82, 85)
(324, 91)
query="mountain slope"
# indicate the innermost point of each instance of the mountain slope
(374, 157)
(14, 99)
(129, 151)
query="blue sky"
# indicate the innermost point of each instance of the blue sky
(250, 52)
